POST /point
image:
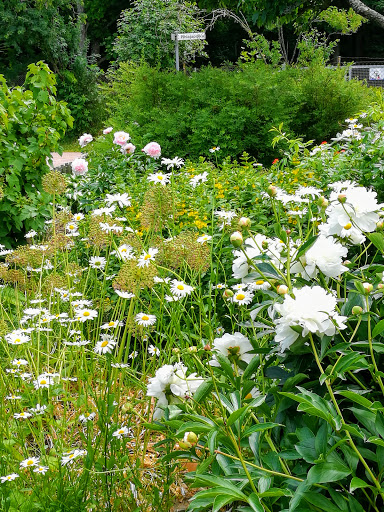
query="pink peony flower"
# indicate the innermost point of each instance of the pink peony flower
(152, 149)
(107, 130)
(79, 166)
(121, 138)
(84, 139)
(128, 149)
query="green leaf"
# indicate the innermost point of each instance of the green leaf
(252, 367)
(357, 483)
(260, 427)
(254, 501)
(306, 245)
(355, 397)
(377, 239)
(325, 472)
(320, 501)
(378, 329)
(202, 391)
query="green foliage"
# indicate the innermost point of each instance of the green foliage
(188, 115)
(144, 32)
(31, 124)
(32, 31)
(78, 86)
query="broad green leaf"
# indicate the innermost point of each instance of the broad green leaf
(324, 472)
(377, 239)
(202, 391)
(357, 483)
(320, 501)
(378, 329)
(254, 501)
(355, 397)
(260, 427)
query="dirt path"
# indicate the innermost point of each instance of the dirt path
(65, 158)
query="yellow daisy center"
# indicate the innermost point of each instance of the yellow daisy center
(145, 318)
(147, 256)
(348, 226)
(29, 463)
(86, 313)
(111, 324)
(17, 340)
(43, 381)
(240, 296)
(104, 344)
(260, 282)
(180, 287)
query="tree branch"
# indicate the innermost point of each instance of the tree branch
(367, 12)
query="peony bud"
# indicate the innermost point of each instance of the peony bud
(342, 198)
(228, 293)
(380, 225)
(271, 190)
(191, 438)
(357, 310)
(282, 289)
(192, 350)
(244, 222)
(368, 287)
(288, 231)
(323, 202)
(207, 347)
(237, 239)
(127, 407)
(176, 351)
(264, 244)
(380, 286)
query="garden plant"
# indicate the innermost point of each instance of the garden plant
(207, 331)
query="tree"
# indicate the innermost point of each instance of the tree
(144, 32)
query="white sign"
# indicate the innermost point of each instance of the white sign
(190, 36)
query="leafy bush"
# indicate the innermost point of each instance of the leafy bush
(31, 124)
(79, 87)
(144, 32)
(188, 115)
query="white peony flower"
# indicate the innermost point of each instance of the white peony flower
(325, 255)
(358, 213)
(171, 380)
(234, 346)
(313, 309)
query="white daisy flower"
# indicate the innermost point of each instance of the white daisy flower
(159, 177)
(125, 252)
(15, 338)
(85, 314)
(69, 457)
(180, 289)
(77, 217)
(38, 409)
(124, 295)
(105, 345)
(147, 257)
(121, 199)
(97, 262)
(153, 351)
(119, 433)
(242, 297)
(41, 469)
(27, 463)
(8, 478)
(19, 362)
(22, 415)
(203, 238)
(145, 319)
(112, 324)
(87, 416)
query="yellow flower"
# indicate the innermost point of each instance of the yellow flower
(200, 224)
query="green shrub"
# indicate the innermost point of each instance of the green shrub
(78, 86)
(31, 124)
(187, 115)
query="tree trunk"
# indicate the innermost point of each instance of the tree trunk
(367, 12)
(83, 28)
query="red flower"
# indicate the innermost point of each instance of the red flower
(324, 142)
(275, 161)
